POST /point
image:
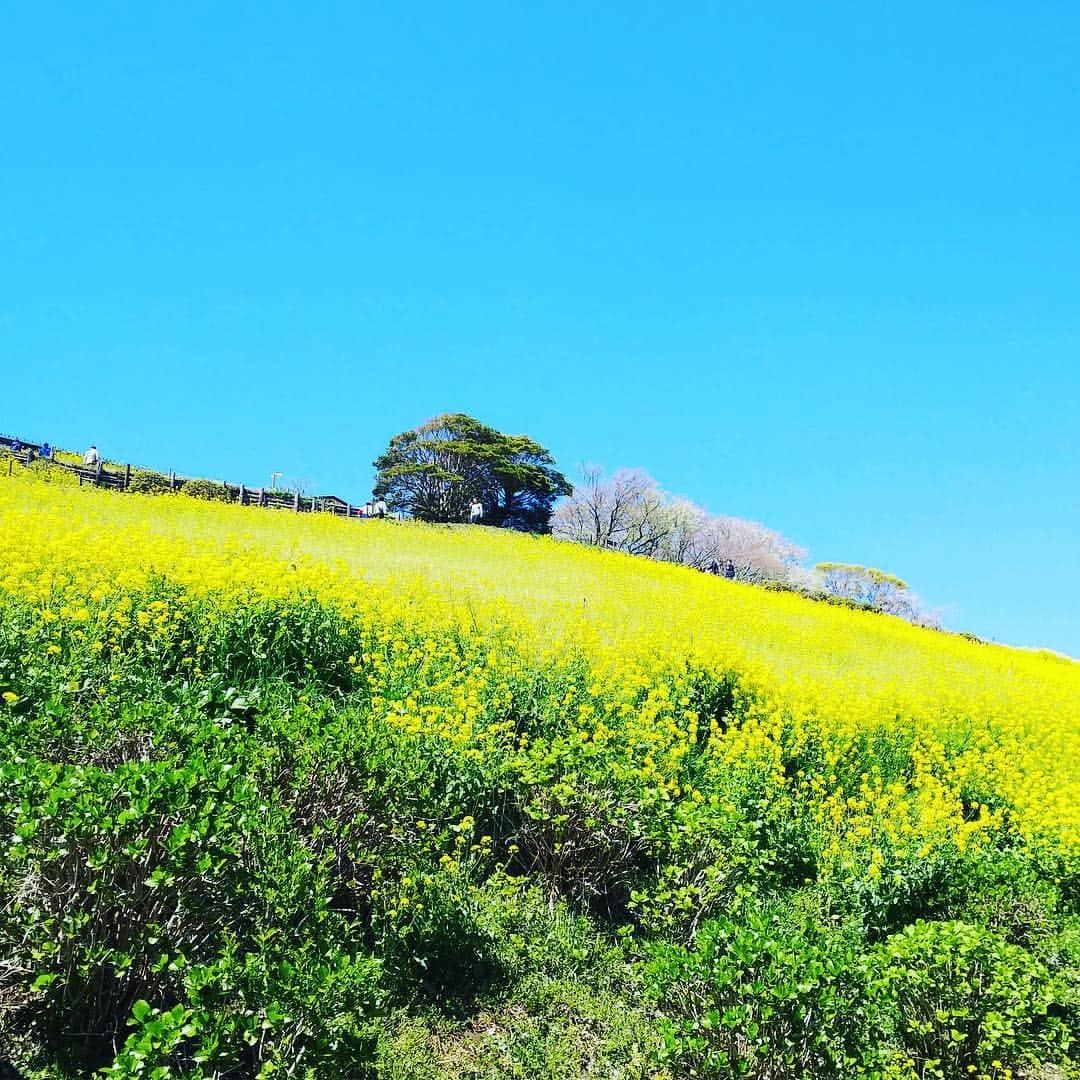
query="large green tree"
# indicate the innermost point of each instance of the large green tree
(434, 472)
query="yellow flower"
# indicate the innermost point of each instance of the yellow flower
(808, 683)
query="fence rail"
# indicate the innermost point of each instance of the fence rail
(120, 477)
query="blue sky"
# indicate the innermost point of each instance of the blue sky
(815, 265)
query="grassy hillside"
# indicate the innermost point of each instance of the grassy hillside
(296, 795)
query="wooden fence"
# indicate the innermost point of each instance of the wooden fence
(119, 478)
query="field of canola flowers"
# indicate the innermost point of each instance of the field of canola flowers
(285, 795)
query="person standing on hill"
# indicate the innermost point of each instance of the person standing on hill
(45, 452)
(476, 512)
(91, 459)
(380, 507)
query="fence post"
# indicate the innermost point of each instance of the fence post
(97, 474)
(296, 501)
(127, 476)
(262, 496)
(242, 500)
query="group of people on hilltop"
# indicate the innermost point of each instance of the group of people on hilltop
(91, 459)
(374, 508)
(44, 452)
(727, 570)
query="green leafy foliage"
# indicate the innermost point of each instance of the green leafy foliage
(963, 996)
(146, 482)
(765, 995)
(207, 489)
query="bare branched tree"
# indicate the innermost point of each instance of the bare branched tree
(687, 540)
(629, 511)
(756, 552)
(876, 589)
(626, 511)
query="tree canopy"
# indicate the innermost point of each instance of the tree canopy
(435, 471)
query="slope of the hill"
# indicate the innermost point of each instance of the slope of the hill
(301, 795)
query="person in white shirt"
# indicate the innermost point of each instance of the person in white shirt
(91, 459)
(476, 512)
(380, 508)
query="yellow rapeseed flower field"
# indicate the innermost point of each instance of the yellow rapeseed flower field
(980, 718)
(267, 775)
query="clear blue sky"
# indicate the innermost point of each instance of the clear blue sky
(815, 265)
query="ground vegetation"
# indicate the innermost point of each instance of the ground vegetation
(309, 797)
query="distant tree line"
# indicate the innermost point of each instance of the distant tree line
(629, 512)
(439, 470)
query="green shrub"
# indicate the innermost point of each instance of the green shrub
(431, 937)
(961, 996)
(1012, 891)
(207, 489)
(160, 1037)
(178, 885)
(113, 897)
(771, 997)
(149, 483)
(299, 641)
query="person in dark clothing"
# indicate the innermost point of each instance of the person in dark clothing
(45, 452)
(729, 569)
(714, 568)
